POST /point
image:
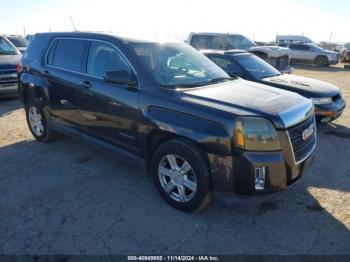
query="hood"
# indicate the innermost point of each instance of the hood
(9, 61)
(327, 52)
(243, 97)
(303, 85)
(274, 51)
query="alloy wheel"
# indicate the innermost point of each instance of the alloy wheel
(36, 121)
(177, 178)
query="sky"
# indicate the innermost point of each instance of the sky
(258, 20)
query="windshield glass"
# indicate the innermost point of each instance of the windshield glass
(6, 48)
(18, 41)
(176, 64)
(241, 42)
(256, 66)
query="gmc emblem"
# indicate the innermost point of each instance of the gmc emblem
(308, 132)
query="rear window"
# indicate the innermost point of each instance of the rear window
(68, 54)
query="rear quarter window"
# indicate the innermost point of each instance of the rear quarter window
(68, 54)
(35, 50)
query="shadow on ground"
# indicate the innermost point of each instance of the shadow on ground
(8, 105)
(69, 198)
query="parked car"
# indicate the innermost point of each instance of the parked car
(9, 58)
(312, 54)
(168, 108)
(29, 38)
(344, 51)
(327, 98)
(289, 39)
(275, 55)
(19, 42)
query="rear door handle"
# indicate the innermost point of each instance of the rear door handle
(86, 84)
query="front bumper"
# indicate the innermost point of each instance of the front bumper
(330, 112)
(279, 176)
(333, 61)
(235, 176)
(9, 89)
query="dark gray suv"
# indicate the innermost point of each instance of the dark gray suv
(169, 109)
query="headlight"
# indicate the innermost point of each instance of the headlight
(322, 100)
(256, 134)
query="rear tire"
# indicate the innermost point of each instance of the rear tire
(37, 123)
(322, 61)
(181, 175)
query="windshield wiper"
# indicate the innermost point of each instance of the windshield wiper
(202, 83)
(221, 79)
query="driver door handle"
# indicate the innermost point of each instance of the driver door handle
(86, 84)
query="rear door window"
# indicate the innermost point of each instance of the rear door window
(68, 54)
(104, 57)
(306, 48)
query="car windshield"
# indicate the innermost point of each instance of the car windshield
(256, 66)
(6, 48)
(18, 41)
(242, 42)
(176, 64)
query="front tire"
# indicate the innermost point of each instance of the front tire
(322, 61)
(181, 174)
(37, 123)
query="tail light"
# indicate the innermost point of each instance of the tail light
(19, 68)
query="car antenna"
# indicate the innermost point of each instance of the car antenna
(71, 20)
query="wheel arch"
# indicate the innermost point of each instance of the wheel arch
(321, 56)
(167, 124)
(33, 88)
(158, 137)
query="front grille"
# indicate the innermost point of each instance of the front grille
(302, 148)
(8, 72)
(8, 77)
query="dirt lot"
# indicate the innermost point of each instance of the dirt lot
(69, 198)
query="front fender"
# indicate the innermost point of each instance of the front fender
(212, 136)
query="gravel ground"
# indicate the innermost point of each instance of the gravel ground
(66, 197)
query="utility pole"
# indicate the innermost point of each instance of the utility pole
(330, 38)
(24, 31)
(71, 19)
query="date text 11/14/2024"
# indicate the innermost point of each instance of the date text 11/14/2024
(173, 258)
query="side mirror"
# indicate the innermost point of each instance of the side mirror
(121, 77)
